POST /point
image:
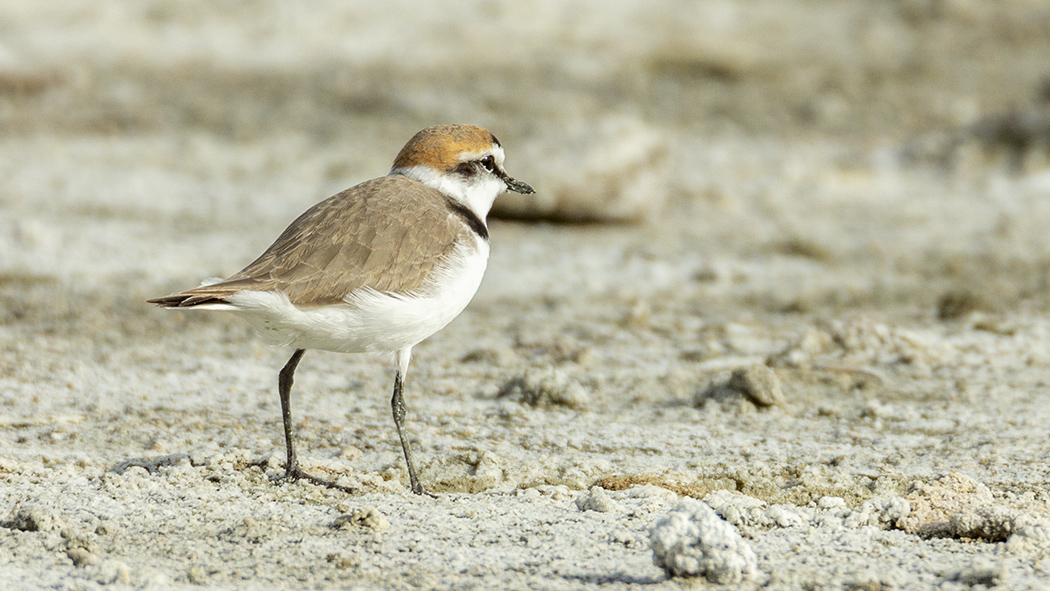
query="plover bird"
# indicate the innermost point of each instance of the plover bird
(376, 268)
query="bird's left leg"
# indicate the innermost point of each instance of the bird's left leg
(397, 404)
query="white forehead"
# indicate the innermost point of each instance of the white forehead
(495, 150)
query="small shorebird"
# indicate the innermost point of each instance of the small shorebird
(376, 268)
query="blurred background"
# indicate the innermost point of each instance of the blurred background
(899, 146)
(330, 71)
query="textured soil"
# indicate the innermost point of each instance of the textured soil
(791, 259)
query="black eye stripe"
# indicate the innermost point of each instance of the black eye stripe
(465, 169)
(470, 168)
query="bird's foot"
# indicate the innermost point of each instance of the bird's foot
(417, 488)
(424, 492)
(296, 473)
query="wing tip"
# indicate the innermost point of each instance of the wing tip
(185, 300)
(171, 301)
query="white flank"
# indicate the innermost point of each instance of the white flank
(370, 321)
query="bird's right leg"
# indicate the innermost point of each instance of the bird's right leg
(291, 466)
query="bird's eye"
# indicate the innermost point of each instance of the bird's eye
(489, 163)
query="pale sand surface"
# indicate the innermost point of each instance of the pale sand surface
(810, 223)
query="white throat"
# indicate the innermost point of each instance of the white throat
(477, 192)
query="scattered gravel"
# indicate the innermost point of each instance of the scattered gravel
(837, 340)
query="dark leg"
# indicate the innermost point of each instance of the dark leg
(397, 403)
(284, 386)
(291, 466)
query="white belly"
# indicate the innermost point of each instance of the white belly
(370, 321)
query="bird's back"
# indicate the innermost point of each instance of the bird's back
(389, 234)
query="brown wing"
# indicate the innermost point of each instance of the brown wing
(388, 234)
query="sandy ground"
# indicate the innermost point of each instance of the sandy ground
(846, 204)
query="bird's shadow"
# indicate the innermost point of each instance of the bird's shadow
(151, 465)
(609, 578)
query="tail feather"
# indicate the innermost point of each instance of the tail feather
(211, 293)
(189, 299)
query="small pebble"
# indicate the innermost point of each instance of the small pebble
(546, 387)
(693, 541)
(596, 499)
(34, 518)
(82, 557)
(759, 384)
(368, 518)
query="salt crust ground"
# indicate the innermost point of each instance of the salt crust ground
(900, 305)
